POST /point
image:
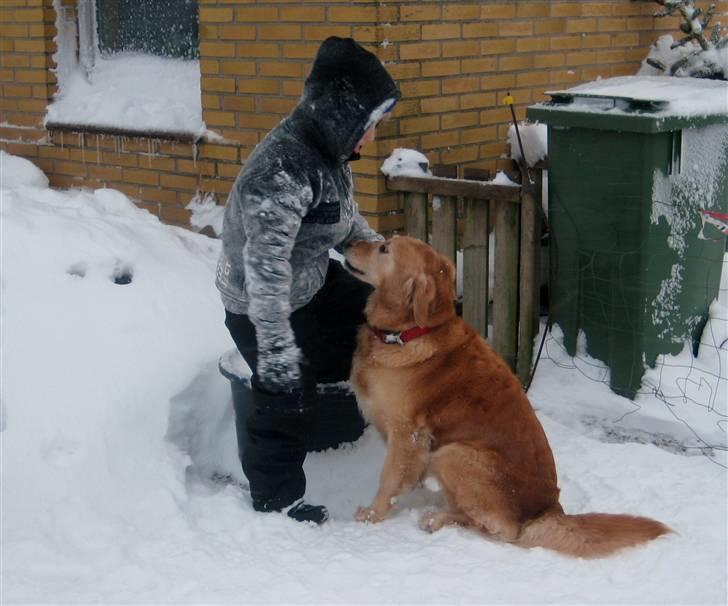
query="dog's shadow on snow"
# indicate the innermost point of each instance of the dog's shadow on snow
(202, 426)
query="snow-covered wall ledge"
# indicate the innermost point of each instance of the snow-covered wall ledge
(119, 131)
(131, 94)
(126, 92)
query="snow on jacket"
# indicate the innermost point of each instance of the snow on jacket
(293, 199)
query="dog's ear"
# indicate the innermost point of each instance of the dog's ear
(423, 294)
(432, 295)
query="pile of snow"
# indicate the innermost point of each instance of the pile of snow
(502, 178)
(534, 138)
(206, 212)
(113, 416)
(16, 171)
(133, 92)
(406, 163)
(412, 163)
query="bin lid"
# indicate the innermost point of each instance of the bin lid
(648, 104)
(232, 366)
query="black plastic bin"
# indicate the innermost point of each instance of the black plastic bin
(338, 421)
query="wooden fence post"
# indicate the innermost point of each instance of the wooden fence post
(476, 264)
(444, 225)
(505, 299)
(530, 274)
(415, 215)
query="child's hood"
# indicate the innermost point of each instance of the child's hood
(347, 92)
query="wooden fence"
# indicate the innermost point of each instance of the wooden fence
(513, 214)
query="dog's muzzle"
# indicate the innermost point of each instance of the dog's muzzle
(352, 269)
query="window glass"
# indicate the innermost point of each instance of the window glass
(167, 28)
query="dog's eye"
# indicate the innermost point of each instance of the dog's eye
(383, 248)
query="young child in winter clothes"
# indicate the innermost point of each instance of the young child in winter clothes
(292, 312)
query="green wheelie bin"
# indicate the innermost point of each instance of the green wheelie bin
(638, 216)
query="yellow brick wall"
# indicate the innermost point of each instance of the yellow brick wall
(26, 32)
(454, 62)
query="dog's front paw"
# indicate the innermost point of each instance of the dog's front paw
(432, 521)
(367, 514)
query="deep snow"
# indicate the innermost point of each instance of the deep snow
(113, 418)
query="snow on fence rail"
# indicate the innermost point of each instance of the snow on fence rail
(515, 215)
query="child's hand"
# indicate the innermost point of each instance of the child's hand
(278, 367)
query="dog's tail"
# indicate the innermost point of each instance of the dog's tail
(589, 535)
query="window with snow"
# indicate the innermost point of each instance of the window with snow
(166, 28)
(128, 66)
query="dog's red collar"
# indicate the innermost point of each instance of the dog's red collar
(400, 338)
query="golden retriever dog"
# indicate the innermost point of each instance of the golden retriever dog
(448, 405)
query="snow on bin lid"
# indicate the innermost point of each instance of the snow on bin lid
(678, 96)
(643, 103)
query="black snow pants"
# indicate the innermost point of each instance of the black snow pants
(274, 430)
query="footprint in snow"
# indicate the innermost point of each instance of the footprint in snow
(61, 452)
(123, 273)
(77, 270)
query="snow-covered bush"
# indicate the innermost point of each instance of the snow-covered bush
(701, 53)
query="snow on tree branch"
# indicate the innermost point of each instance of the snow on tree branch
(698, 54)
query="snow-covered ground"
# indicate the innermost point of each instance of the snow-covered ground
(113, 417)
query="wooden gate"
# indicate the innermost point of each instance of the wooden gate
(513, 214)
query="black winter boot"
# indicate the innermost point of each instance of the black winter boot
(270, 430)
(303, 512)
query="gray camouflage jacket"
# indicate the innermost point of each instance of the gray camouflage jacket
(293, 199)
